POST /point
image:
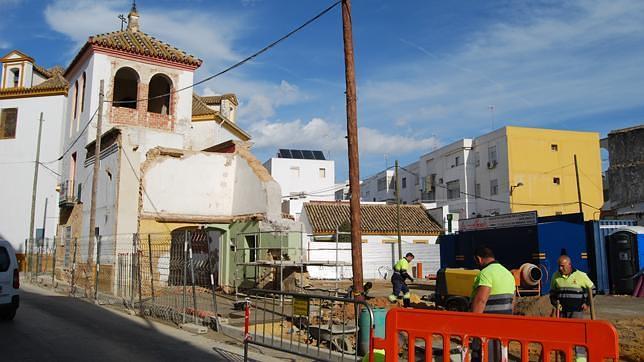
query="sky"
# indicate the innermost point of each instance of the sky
(428, 72)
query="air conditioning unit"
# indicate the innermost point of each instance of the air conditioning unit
(491, 164)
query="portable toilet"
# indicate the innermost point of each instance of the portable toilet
(625, 258)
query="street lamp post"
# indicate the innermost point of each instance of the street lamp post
(512, 187)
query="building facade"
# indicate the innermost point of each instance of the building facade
(324, 221)
(28, 91)
(303, 175)
(625, 174)
(512, 169)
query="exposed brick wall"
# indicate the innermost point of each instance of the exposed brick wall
(141, 117)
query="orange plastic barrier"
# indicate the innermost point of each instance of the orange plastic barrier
(559, 337)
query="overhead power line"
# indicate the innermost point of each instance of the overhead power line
(239, 63)
(500, 201)
(224, 71)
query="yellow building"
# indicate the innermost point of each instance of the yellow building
(534, 169)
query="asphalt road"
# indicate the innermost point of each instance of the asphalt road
(51, 327)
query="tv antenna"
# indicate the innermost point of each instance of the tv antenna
(123, 20)
(492, 110)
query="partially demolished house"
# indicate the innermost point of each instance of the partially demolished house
(171, 162)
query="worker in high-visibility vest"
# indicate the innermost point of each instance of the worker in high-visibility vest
(570, 287)
(492, 292)
(493, 289)
(569, 292)
(398, 279)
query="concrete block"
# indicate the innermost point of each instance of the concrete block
(191, 327)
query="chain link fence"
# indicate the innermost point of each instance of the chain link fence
(170, 276)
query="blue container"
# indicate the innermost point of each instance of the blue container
(379, 316)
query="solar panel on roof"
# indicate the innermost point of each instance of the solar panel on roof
(297, 154)
(318, 155)
(284, 153)
(308, 154)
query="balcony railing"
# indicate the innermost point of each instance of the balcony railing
(66, 197)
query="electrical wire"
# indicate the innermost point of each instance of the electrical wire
(501, 201)
(239, 63)
(50, 170)
(76, 139)
(226, 70)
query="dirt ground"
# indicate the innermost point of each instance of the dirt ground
(626, 313)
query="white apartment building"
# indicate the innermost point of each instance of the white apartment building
(26, 91)
(304, 175)
(510, 169)
(451, 177)
(447, 177)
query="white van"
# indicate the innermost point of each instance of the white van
(9, 281)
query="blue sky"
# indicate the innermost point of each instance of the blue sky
(427, 71)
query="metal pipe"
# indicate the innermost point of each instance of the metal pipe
(53, 264)
(98, 265)
(151, 270)
(192, 278)
(185, 274)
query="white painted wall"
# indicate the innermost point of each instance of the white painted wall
(442, 162)
(483, 175)
(204, 134)
(17, 158)
(378, 256)
(296, 176)
(208, 184)
(24, 67)
(369, 187)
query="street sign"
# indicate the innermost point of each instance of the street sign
(528, 218)
(301, 306)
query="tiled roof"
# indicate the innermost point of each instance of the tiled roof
(55, 84)
(42, 70)
(201, 110)
(212, 100)
(326, 216)
(140, 43)
(199, 107)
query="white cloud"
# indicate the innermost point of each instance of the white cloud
(209, 36)
(538, 67)
(323, 135)
(259, 99)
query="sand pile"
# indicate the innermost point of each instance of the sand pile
(631, 337)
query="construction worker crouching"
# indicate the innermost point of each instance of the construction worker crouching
(493, 289)
(398, 280)
(569, 289)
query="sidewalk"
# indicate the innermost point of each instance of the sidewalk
(220, 346)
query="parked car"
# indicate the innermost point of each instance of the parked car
(9, 281)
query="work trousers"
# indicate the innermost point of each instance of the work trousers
(399, 285)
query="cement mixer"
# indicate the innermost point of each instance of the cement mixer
(527, 278)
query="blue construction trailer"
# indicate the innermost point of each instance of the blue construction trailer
(519, 238)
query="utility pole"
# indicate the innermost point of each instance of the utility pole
(397, 188)
(42, 246)
(97, 160)
(35, 190)
(352, 141)
(581, 211)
